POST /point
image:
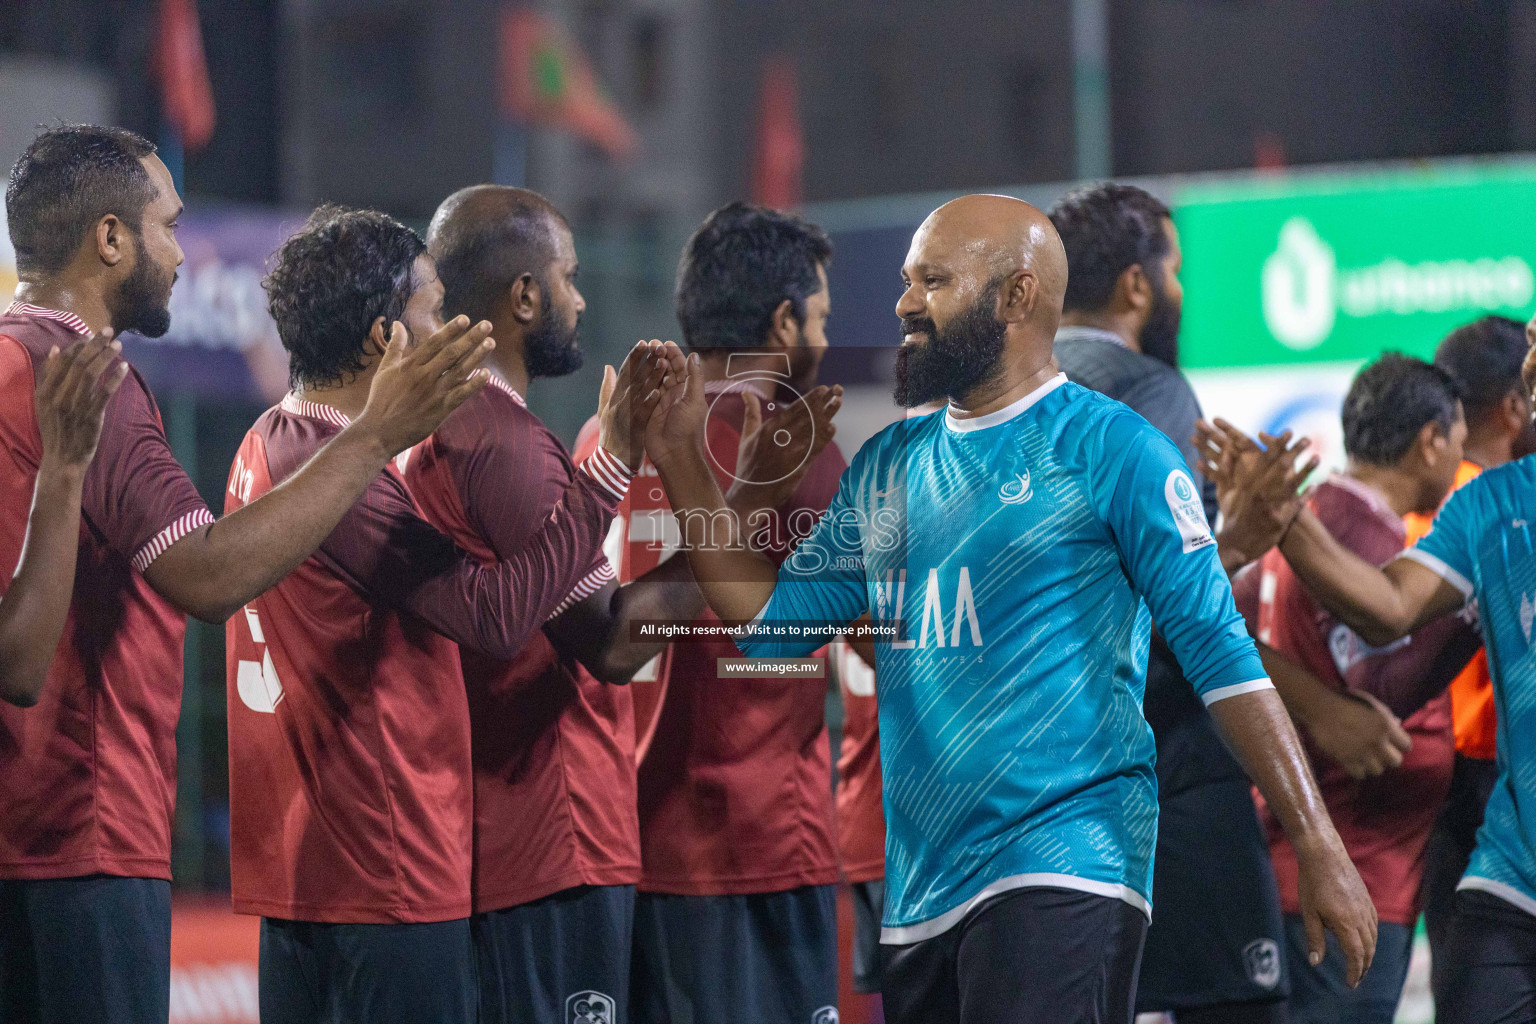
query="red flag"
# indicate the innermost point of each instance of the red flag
(779, 157)
(186, 94)
(546, 79)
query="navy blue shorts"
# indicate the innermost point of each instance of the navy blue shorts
(1321, 994)
(1217, 934)
(1028, 956)
(326, 973)
(766, 958)
(869, 956)
(1494, 945)
(96, 948)
(564, 958)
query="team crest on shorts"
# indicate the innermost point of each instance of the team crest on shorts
(589, 1008)
(825, 1015)
(1262, 958)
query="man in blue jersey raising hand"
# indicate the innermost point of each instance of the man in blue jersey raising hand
(1019, 540)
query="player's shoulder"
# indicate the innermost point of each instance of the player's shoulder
(1494, 490)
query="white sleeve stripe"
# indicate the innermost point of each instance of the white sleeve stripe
(1236, 690)
(608, 471)
(170, 535)
(1440, 569)
(590, 584)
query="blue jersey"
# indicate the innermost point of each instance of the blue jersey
(1021, 551)
(1483, 543)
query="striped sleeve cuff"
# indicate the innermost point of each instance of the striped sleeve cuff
(589, 585)
(170, 535)
(1235, 690)
(607, 469)
(1440, 569)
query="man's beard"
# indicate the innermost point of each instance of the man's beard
(952, 362)
(551, 349)
(1160, 336)
(142, 303)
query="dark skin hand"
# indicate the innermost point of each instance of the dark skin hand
(597, 631)
(71, 397)
(1259, 490)
(1380, 604)
(1352, 728)
(211, 572)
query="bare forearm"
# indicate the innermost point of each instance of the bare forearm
(36, 604)
(1305, 696)
(665, 594)
(1261, 736)
(1357, 592)
(735, 580)
(210, 573)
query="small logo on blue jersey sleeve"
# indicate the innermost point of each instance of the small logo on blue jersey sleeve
(1184, 503)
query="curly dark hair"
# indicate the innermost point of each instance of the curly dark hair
(328, 284)
(69, 178)
(736, 269)
(1105, 229)
(1389, 402)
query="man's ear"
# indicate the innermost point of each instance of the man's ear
(525, 299)
(378, 339)
(1433, 441)
(112, 240)
(1017, 297)
(783, 328)
(1133, 291)
(1516, 411)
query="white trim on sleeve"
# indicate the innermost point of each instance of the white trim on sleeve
(590, 584)
(608, 470)
(170, 535)
(1440, 569)
(1236, 690)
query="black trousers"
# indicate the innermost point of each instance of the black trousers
(353, 973)
(1445, 860)
(563, 958)
(1030, 956)
(96, 948)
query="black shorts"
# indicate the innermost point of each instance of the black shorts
(869, 956)
(766, 958)
(321, 973)
(1494, 945)
(1217, 934)
(96, 948)
(1446, 858)
(1029, 956)
(564, 958)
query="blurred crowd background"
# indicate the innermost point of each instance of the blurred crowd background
(1346, 179)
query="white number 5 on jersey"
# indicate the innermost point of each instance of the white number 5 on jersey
(256, 681)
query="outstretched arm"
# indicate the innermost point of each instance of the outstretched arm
(214, 569)
(71, 397)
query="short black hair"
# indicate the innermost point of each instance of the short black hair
(330, 281)
(486, 237)
(736, 269)
(1388, 404)
(1105, 229)
(1484, 357)
(70, 177)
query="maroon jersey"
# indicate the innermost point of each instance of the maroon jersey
(88, 776)
(735, 779)
(553, 748)
(860, 816)
(349, 744)
(1384, 822)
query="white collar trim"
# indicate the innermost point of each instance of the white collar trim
(1006, 413)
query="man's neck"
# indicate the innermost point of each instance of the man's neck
(67, 297)
(1398, 489)
(1020, 376)
(1120, 326)
(347, 399)
(1487, 452)
(507, 362)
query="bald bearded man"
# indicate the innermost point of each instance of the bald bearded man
(1017, 540)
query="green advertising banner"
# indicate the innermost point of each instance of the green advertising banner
(1329, 269)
